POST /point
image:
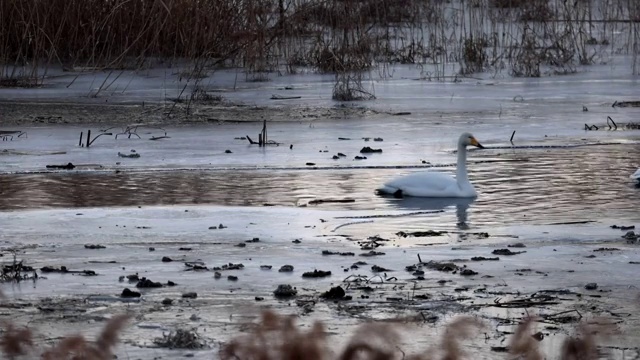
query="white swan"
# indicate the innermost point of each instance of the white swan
(636, 175)
(435, 184)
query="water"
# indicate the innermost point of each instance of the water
(182, 186)
(532, 186)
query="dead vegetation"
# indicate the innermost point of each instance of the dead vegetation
(348, 38)
(17, 271)
(277, 337)
(180, 339)
(16, 342)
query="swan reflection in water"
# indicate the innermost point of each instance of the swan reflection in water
(434, 204)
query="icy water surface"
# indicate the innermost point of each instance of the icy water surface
(583, 176)
(558, 193)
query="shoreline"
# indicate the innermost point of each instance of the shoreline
(546, 279)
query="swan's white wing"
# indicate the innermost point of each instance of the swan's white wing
(424, 184)
(636, 175)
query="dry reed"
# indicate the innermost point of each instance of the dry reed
(76, 347)
(345, 37)
(277, 337)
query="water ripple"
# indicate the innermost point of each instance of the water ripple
(538, 186)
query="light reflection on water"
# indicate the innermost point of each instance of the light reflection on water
(549, 186)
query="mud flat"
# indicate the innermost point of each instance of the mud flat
(214, 269)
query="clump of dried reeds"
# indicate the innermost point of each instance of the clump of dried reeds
(17, 271)
(373, 341)
(180, 339)
(523, 345)
(15, 341)
(460, 329)
(77, 346)
(583, 346)
(275, 338)
(342, 37)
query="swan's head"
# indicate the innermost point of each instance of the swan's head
(468, 139)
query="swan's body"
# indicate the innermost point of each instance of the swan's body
(434, 184)
(636, 175)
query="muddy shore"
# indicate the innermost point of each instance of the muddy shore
(385, 277)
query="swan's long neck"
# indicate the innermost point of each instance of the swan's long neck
(461, 170)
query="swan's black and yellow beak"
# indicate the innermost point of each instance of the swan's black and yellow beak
(475, 142)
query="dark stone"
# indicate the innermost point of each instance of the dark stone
(606, 249)
(316, 274)
(368, 150)
(482, 258)
(190, 295)
(167, 301)
(94, 246)
(517, 245)
(227, 151)
(185, 249)
(329, 252)
(506, 252)
(241, 245)
(285, 291)
(591, 286)
(442, 266)
(152, 249)
(311, 164)
(146, 283)
(50, 269)
(171, 283)
(259, 298)
(166, 259)
(232, 278)
(232, 266)
(126, 293)
(467, 272)
(69, 166)
(335, 293)
(372, 253)
(217, 275)
(286, 268)
(376, 268)
(265, 267)
(421, 233)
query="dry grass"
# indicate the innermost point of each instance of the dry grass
(522, 344)
(278, 337)
(342, 37)
(15, 342)
(583, 345)
(77, 347)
